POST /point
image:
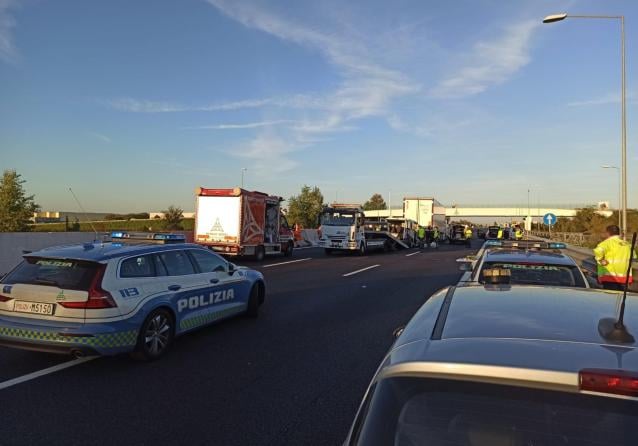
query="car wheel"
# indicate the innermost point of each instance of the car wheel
(156, 336)
(252, 310)
(260, 253)
(289, 249)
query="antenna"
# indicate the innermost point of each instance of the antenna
(614, 329)
(84, 211)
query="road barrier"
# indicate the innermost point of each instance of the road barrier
(13, 244)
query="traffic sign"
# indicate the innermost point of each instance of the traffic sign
(549, 219)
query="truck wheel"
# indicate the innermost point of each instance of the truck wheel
(289, 248)
(260, 253)
(362, 249)
(328, 251)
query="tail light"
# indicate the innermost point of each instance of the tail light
(5, 298)
(617, 382)
(98, 297)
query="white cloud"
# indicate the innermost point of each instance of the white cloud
(247, 125)
(609, 98)
(267, 153)
(8, 51)
(491, 62)
(366, 90)
(146, 106)
(101, 137)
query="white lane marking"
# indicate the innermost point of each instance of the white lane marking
(43, 372)
(360, 270)
(286, 263)
(412, 253)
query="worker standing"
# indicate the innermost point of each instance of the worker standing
(499, 234)
(436, 235)
(612, 257)
(421, 235)
(518, 233)
(468, 235)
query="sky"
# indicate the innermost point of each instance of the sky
(135, 104)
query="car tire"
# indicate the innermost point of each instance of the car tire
(252, 309)
(156, 336)
(260, 253)
(289, 249)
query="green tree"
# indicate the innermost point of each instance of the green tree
(16, 207)
(173, 217)
(375, 203)
(305, 207)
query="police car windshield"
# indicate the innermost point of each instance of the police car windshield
(338, 219)
(526, 273)
(61, 273)
(418, 411)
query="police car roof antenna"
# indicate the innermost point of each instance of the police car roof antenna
(614, 329)
(85, 214)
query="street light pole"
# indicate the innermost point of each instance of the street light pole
(623, 104)
(605, 166)
(243, 169)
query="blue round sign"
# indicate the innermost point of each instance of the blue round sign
(549, 219)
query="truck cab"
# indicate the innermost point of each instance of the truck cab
(342, 228)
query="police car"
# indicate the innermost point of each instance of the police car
(503, 365)
(525, 262)
(133, 294)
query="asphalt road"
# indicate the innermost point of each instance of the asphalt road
(294, 376)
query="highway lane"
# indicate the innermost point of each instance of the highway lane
(294, 376)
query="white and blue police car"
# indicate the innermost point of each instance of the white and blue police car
(133, 294)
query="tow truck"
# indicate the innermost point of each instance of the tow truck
(344, 227)
(237, 222)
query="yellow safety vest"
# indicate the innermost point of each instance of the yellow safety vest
(616, 252)
(499, 234)
(468, 233)
(518, 234)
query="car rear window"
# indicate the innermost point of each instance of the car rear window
(539, 274)
(420, 411)
(61, 273)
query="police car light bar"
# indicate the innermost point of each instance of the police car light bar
(159, 237)
(493, 243)
(532, 244)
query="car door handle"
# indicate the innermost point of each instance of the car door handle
(214, 280)
(174, 287)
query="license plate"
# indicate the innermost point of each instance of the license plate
(34, 308)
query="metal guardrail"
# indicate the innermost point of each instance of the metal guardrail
(571, 238)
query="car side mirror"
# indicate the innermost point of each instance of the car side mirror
(231, 268)
(398, 331)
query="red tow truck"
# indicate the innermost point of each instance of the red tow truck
(237, 222)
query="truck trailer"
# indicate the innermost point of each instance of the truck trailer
(237, 222)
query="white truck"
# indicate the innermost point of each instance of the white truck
(344, 227)
(426, 211)
(237, 222)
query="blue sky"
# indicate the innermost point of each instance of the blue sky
(134, 104)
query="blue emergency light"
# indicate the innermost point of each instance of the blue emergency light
(493, 243)
(555, 245)
(145, 237)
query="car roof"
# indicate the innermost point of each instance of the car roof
(98, 251)
(550, 257)
(543, 328)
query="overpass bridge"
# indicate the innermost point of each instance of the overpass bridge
(507, 212)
